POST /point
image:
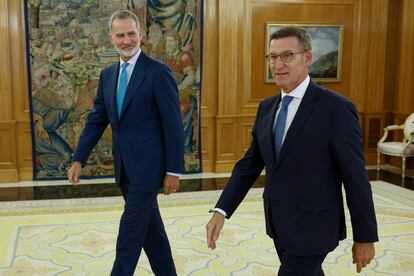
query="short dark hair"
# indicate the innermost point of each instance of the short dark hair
(122, 14)
(300, 33)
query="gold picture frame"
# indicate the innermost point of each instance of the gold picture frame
(326, 49)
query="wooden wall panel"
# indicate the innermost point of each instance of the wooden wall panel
(376, 72)
(377, 36)
(248, 104)
(227, 134)
(8, 151)
(208, 138)
(210, 59)
(405, 99)
(8, 170)
(24, 150)
(209, 93)
(14, 100)
(227, 54)
(18, 67)
(369, 57)
(373, 125)
(357, 74)
(230, 75)
(372, 133)
(234, 134)
(6, 111)
(392, 55)
(7, 145)
(246, 133)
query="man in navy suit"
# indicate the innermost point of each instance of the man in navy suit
(139, 98)
(309, 140)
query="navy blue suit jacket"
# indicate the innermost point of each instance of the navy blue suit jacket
(148, 138)
(303, 189)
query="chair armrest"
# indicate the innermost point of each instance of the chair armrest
(393, 127)
(388, 128)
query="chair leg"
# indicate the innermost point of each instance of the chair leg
(378, 164)
(403, 168)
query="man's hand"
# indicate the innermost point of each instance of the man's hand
(213, 229)
(171, 184)
(362, 254)
(74, 172)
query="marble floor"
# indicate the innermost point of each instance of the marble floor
(61, 189)
(54, 228)
(77, 236)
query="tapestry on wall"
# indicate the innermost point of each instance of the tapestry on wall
(67, 48)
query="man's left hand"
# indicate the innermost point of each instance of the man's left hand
(171, 184)
(362, 254)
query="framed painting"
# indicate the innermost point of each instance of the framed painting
(326, 49)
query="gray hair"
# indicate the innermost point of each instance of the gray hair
(300, 33)
(122, 14)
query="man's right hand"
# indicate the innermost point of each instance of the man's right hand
(362, 254)
(74, 172)
(213, 229)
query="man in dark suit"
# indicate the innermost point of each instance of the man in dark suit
(139, 98)
(309, 140)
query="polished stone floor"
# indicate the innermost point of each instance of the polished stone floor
(34, 190)
(78, 236)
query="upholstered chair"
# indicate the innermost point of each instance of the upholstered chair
(404, 148)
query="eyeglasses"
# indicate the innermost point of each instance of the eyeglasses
(285, 57)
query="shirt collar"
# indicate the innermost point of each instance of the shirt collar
(132, 60)
(300, 90)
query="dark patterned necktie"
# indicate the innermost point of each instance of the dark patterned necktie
(280, 124)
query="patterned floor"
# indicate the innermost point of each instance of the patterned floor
(77, 237)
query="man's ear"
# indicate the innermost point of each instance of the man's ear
(110, 38)
(309, 57)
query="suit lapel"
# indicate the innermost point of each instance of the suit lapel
(270, 119)
(304, 111)
(137, 77)
(112, 89)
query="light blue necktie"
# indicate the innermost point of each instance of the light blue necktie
(280, 124)
(122, 86)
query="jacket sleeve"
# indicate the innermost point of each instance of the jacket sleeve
(96, 124)
(166, 96)
(347, 148)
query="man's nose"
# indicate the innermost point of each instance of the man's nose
(279, 63)
(127, 40)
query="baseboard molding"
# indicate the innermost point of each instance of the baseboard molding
(397, 170)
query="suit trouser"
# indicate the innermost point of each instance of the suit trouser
(292, 265)
(140, 227)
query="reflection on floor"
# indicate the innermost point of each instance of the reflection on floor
(77, 236)
(200, 182)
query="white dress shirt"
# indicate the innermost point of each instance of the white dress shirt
(297, 95)
(131, 64)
